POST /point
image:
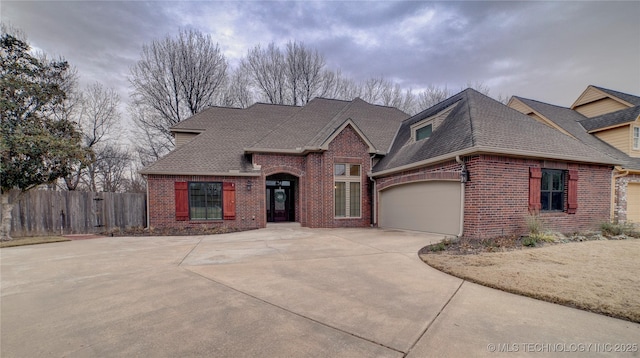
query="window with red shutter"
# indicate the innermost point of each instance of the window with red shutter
(182, 200)
(229, 200)
(535, 174)
(572, 192)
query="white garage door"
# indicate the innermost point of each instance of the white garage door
(633, 202)
(431, 206)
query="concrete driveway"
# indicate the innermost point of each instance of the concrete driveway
(283, 291)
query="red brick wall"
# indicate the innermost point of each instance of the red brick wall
(496, 198)
(497, 195)
(346, 147)
(250, 205)
(314, 203)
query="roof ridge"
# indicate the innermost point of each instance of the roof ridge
(282, 123)
(321, 133)
(470, 118)
(546, 103)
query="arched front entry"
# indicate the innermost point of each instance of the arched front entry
(281, 195)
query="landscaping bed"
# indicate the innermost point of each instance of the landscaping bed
(596, 271)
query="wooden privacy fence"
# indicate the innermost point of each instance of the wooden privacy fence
(45, 212)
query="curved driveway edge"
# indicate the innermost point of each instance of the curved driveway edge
(280, 291)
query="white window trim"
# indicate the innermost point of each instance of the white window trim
(419, 125)
(633, 138)
(347, 179)
(434, 120)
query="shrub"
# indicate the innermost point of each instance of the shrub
(611, 229)
(529, 241)
(438, 247)
(534, 224)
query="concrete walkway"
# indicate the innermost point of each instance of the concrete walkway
(283, 291)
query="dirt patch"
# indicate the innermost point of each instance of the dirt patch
(595, 275)
(171, 231)
(22, 241)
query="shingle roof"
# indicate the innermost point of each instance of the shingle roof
(634, 100)
(572, 122)
(478, 123)
(317, 120)
(611, 119)
(228, 133)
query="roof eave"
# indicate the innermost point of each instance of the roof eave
(489, 150)
(296, 151)
(230, 173)
(185, 130)
(595, 130)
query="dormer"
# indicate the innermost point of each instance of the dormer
(184, 136)
(424, 128)
(596, 101)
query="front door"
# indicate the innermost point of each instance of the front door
(280, 201)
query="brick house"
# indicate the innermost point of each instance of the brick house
(608, 121)
(467, 166)
(243, 168)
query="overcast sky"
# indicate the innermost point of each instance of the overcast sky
(548, 51)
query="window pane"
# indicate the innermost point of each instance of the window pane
(214, 201)
(340, 199)
(424, 132)
(339, 169)
(197, 201)
(556, 201)
(354, 170)
(544, 182)
(557, 181)
(205, 200)
(544, 200)
(354, 199)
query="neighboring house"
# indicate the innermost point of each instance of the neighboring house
(467, 166)
(608, 121)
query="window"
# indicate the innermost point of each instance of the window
(423, 132)
(347, 192)
(205, 201)
(636, 137)
(552, 190)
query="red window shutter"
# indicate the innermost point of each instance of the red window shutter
(535, 174)
(229, 200)
(572, 192)
(182, 200)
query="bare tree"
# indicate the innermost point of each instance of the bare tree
(305, 72)
(176, 78)
(266, 68)
(111, 168)
(432, 95)
(96, 111)
(238, 92)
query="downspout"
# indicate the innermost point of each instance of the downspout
(462, 182)
(148, 212)
(614, 178)
(374, 194)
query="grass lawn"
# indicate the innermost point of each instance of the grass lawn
(21, 241)
(599, 276)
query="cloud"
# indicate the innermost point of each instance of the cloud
(544, 50)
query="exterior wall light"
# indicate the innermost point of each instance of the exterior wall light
(464, 175)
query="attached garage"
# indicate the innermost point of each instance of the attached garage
(633, 202)
(430, 206)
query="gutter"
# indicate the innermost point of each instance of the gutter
(217, 174)
(491, 150)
